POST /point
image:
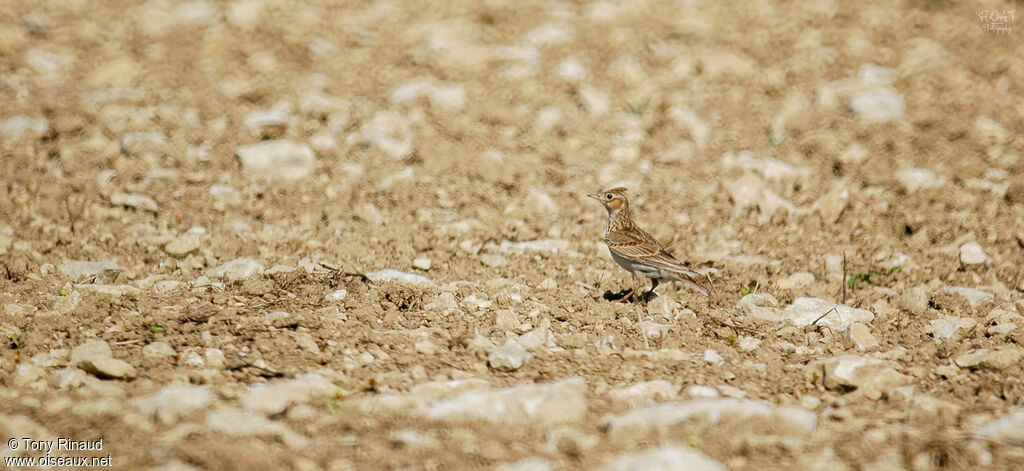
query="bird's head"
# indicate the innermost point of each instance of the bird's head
(614, 200)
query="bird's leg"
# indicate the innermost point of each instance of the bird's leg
(650, 294)
(630, 295)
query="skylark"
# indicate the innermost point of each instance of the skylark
(637, 251)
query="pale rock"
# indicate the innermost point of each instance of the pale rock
(277, 117)
(192, 358)
(67, 378)
(990, 131)
(494, 260)
(760, 306)
(700, 391)
(392, 275)
(413, 440)
(105, 272)
(237, 269)
(182, 245)
(713, 358)
(425, 347)
(174, 402)
(1000, 358)
(527, 464)
(108, 290)
(422, 263)
(860, 335)
(668, 458)
(796, 280)
(335, 296)
(390, 132)
(730, 391)
(654, 330)
(560, 402)
(548, 284)
(950, 327)
(541, 205)
(214, 358)
(107, 367)
(838, 317)
(749, 344)
(167, 286)
(914, 179)
(572, 70)
(914, 300)
(508, 357)
(475, 302)
(506, 319)
(14, 127)
(549, 34)
(1002, 322)
(871, 376)
(134, 200)
(831, 205)
(14, 309)
(645, 393)
(1008, 430)
(89, 349)
(143, 144)
(306, 342)
(225, 195)
(974, 296)
(535, 338)
(971, 253)
(595, 102)
(661, 419)
(238, 423)
(157, 351)
(877, 105)
(26, 374)
(544, 246)
(274, 398)
(687, 118)
(854, 154)
(278, 159)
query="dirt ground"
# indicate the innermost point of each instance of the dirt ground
(763, 142)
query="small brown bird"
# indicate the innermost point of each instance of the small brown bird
(637, 251)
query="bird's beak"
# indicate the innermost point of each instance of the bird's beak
(596, 196)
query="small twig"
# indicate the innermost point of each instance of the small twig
(843, 281)
(825, 314)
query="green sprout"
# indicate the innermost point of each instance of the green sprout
(866, 276)
(61, 292)
(745, 290)
(157, 329)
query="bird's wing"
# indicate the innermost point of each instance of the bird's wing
(642, 247)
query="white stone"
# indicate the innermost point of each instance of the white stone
(508, 357)
(278, 159)
(336, 296)
(167, 286)
(422, 263)
(949, 327)
(974, 296)
(274, 398)
(183, 245)
(560, 402)
(238, 269)
(237, 423)
(106, 272)
(914, 179)
(660, 419)
(14, 127)
(174, 402)
(645, 393)
(107, 367)
(702, 391)
(157, 350)
(1004, 356)
(134, 200)
(748, 344)
(805, 311)
(712, 357)
(1007, 430)
(392, 275)
(971, 253)
(540, 245)
(668, 458)
(877, 105)
(861, 336)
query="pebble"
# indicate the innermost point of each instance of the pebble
(167, 286)
(877, 105)
(914, 300)
(645, 393)
(306, 342)
(183, 245)
(549, 246)
(214, 358)
(861, 337)
(336, 296)
(90, 348)
(237, 269)
(914, 179)
(535, 339)
(971, 253)
(157, 350)
(1008, 430)
(134, 200)
(560, 402)
(712, 357)
(749, 344)
(974, 296)
(507, 357)
(1001, 358)
(494, 260)
(702, 391)
(174, 402)
(238, 423)
(422, 263)
(225, 196)
(805, 311)
(871, 376)
(390, 274)
(106, 272)
(14, 127)
(274, 398)
(107, 367)
(660, 419)
(950, 327)
(505, 319)
(268, 122)
(668, 458)
(67, 378)
(278, 159)
(390, 132)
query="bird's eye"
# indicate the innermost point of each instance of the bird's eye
(608, 196)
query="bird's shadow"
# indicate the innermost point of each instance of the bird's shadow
(621, 296)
